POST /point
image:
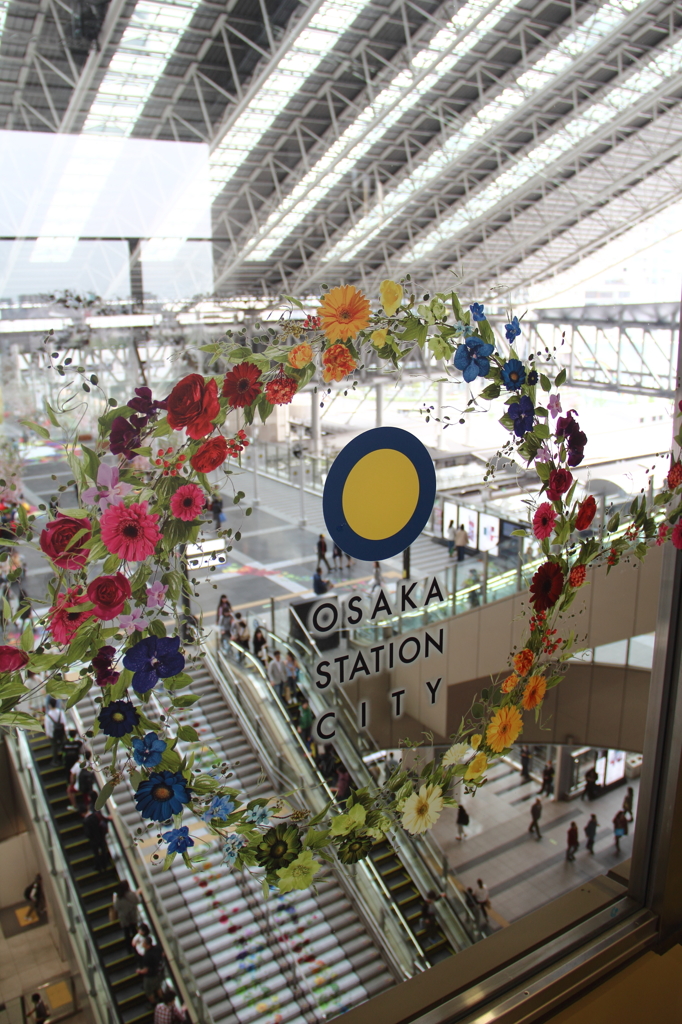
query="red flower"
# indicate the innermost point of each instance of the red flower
(677, 536)
(663, 530)
(577, 575)
(130, 532)
(586, 513)
(57, 541)
(109, 594)
(281, 390)
(193, 404)
(675, 475)
(12, 659)
(560, 481)
(64, 618)
(187, 502)
(546, 586)
(543, 521)
(211, 455)
(241, 385)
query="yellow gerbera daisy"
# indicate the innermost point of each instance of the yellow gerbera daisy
(504, 728)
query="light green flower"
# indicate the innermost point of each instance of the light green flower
(345, 823)
(299, 874)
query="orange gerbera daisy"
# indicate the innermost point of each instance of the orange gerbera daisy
(504, 728)
(523, 661)
(344, 312)
(509, 683)
(534, 693)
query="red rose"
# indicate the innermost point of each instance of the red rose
(193, 403)
(211, 455)
(586, 513)
(109, 594)
(560, 481)
(57, 541)
(12, 659)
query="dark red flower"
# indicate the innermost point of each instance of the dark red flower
(567, 430)
(546, 586)
(560, 481)
(109, 594)
(241, 385)
(125, 435)
(144, 402)
(211, 455)
(675, 476)
(57, 541)
(12, 659)
(586, 513)
(193, 403)
(102, 663)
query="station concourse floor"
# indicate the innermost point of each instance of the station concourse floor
(522, 872)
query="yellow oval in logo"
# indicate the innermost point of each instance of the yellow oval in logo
(380, 494)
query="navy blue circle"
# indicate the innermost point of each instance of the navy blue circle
(350, 542)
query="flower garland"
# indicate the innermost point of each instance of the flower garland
(119, 573)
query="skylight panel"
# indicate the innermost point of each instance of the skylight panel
(575, 131)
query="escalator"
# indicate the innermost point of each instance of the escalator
(293, 959)
(95, 890)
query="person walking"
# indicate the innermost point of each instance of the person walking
(590, 831)
(71, 752)
(55, 729)
(224, 608)
(217, 510)
(462, 821)
(166, 1012)
(84, 783)
(590, 790)
(138, 941)
(427, 917)
(452, 533)
(337, 555)
(277, 674)
(547, 780)
(240, 632)
(482, 897)
(572, 842)
(461, 542)
(305, 723)
(96, 826)
(535, 815)
(34, 894)
(628, 801)
(260, 645)
(620, 828)
(151, 970)
(377, 578)
(525, 762)
(38, 1010)
(342, 786)
(322, 553)
(125, 904)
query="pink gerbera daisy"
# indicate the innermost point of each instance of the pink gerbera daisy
(130, 531)
(187, 502)
(543, 521)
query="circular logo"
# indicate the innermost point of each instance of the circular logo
(379, 494)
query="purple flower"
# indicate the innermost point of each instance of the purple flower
(178, 839)
(522, 413)
(144, 402)
(136, 620)
(153, 658)
(554, 405)
(124, 435)
(156, 595)
(108, 490)
(543, 454)
(567, 430)
(102, 664)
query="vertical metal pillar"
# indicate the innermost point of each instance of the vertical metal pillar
(379, 405)
(254, 456)
(301, 480)
(135, 271)
(315, 428)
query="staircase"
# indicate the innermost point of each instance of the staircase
(95, 890)
(298, 957)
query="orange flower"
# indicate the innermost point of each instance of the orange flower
(534, 693)
(509, 683)
(338, 363)
(300, 355)
(344, 312)
(504, 728)
(523, 661)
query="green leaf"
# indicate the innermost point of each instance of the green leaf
(157, 628)
(613, 523)
(52, 415)
(27, 638)
(186, 732)
(111, 564)
(91, 463)
(20, 720)
(541, 430)
(545, 383)
(104, 794)
(264, 409)
(543, 470)
(560, 378)
(177, 682)
(121, 684)
(519, 533)
(486, 332)
(162, 429)
(185, 700)
(492, 391)
(80, 692)
(477, 710)
(35, 427)
(296, 302)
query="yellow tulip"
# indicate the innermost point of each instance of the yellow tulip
(475, 741)
(378, 338)
(477, 766)
(391, 296)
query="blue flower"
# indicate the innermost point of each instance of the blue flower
(118, 718)
(477, 311)
(258, 815)
(178, 839)
(148, 751)
(220, 807)
(472, 358)
(522, 413)
(513, 374)
(162, 795)
(151, 658)
(512, 330)
(532, 378)
(233, 844)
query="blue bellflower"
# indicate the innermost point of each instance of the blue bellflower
(153, 658)
(118, 718)
(472, 358)
(513, 374)
(512, 330)
(522, 413)
(477, 311)
(233, 844)
(220, 807)
(148, 751)
(162, 795)
(178, 839)
(258, 815)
